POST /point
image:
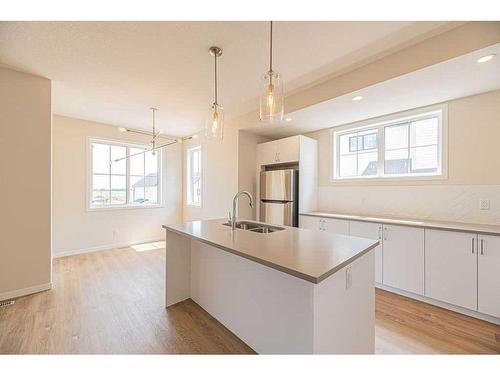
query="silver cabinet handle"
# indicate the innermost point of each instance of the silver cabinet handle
(279, 156)
(385, 233)
(482, 246)
(380, 233)
(473, 245)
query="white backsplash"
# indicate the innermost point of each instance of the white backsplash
(431, 202)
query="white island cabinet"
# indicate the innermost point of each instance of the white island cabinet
(373, 231)
(291, 291)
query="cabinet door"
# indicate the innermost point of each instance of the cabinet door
(403, 260)
(267, 153)
(310, 222)
(287, 150)
(488, 298)
(336, 226)
(372, 231)
(451, 267)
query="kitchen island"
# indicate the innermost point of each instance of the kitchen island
(290, 291)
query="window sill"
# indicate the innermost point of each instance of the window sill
(125, 207)
(410, 178)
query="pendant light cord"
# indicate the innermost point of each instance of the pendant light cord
(215, 75)
(271, 48)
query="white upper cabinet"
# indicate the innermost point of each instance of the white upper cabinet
(451, 267)
(372, 231)
(403, 260)
(489, 275)
(286, 150)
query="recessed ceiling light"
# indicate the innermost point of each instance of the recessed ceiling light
(123, 130)
(486, 58)
(288, 119)
(357, 98)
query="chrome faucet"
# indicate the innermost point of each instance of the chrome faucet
(235, 200)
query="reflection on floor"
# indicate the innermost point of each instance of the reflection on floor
(112, 302)
(149, 246)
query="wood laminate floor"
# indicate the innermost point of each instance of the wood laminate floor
(111, 302)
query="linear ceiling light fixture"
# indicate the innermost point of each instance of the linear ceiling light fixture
(155, 135)
(214, 126)
(271, 98)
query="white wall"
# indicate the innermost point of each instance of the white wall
(247, 161)
(219, 176)
(473, 173)
(25, 184)
(74, 228)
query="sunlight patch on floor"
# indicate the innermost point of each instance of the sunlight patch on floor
(149, 246)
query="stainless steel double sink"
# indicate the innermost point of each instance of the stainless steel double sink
(255, 227)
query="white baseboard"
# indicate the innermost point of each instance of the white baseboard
(444, 305)
(25, 291)
(65, 253)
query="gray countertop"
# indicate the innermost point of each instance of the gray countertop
(307, 254)
(446, 225)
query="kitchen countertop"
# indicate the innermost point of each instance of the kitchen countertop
(447, 225)
(306, 254)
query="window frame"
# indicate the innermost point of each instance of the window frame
(189, 152)
(127, 206)
(440, 111)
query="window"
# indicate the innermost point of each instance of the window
(408, 146)
(123, 175)
(194, 183)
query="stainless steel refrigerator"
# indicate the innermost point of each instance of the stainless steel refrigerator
(279, 197)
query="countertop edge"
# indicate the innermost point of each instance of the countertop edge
(300, 275)
(345, 263)
(450, 226)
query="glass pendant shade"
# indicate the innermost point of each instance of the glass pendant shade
(214, 127)
(271, 98)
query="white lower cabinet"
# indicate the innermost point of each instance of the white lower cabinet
(403, 258)
(458, 268)
(336, 226)
(451, 267)
(489, 275)
(374, 232)
(310, 222)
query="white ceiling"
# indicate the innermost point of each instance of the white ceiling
(451, 79)
(112, 72)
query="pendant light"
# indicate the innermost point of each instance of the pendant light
(271, 98)
(214, 127)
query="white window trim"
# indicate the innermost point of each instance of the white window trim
(190, 204)
(127, 206)
(379, 122)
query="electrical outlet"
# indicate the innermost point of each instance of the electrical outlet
(115, 233)
(484, 204)
(348, 278)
